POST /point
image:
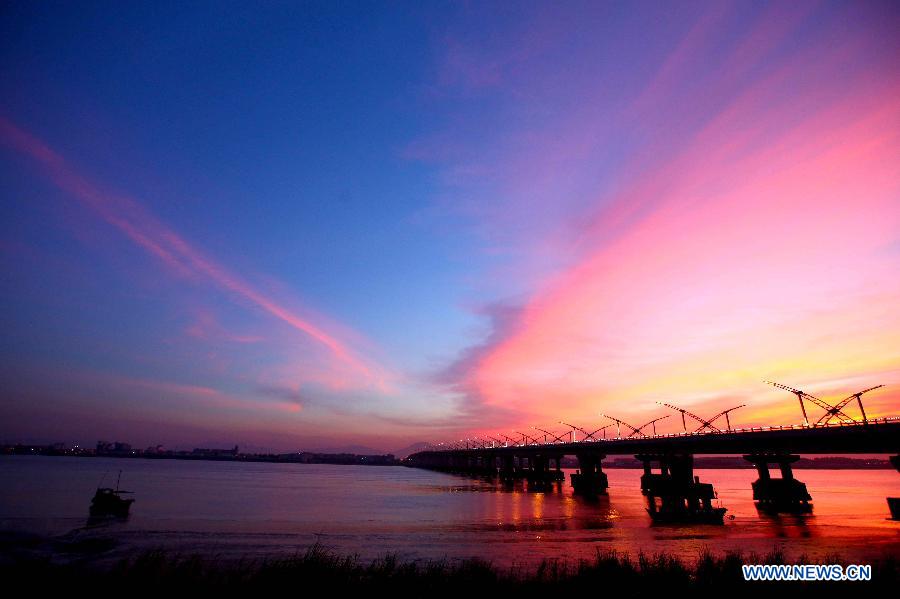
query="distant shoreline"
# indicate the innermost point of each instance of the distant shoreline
(341, 459)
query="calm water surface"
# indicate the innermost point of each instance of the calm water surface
(257, 509)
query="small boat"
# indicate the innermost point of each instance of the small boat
(109, 502)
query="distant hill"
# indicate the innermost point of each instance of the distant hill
(410, 449)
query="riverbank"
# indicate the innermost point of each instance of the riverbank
(318, 568)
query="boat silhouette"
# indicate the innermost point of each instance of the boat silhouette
(109, 502)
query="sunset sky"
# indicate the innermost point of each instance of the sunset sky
(295, 226)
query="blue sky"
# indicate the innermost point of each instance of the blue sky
(418, 184)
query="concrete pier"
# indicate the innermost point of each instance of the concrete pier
(590, 480)
(540, 469)
(778, 494)
(674, 494)
(486, 465)
(894, 502)
(510, 471)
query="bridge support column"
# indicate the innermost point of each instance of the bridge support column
(461, 464)
(675, 495)
(532, 467)
(508, 470)
(894, 502)
(556, 474)
(539, 471)
(778, 494)
(488, 465)
(590, 480)
(451, 463)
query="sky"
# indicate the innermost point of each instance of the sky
(324, 224)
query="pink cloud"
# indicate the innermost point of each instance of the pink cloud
(765, 242)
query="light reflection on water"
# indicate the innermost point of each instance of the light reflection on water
(256, 509)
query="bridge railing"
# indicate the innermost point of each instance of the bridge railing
(751, 429)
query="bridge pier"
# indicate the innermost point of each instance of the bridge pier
(539, 470)
(894, 502)
(675, 495)
(590, 480)
(522, 468)
(508, 470)
(778, 494)
(453, 464)
(487, 464)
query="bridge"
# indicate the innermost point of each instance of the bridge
(674, 493)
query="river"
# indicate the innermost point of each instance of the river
(248, 510)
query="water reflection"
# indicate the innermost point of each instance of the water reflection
(787, 525)
(551, 506)
(529, 506)
(101, 521)
(766, 510)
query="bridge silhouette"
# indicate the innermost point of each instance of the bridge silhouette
(673, 492)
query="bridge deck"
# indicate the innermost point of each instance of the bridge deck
(875, 437)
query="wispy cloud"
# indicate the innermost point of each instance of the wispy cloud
(173, 250)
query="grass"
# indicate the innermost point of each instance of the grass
(319, 570)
